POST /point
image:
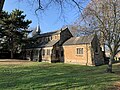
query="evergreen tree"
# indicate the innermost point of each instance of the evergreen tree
(13, 28)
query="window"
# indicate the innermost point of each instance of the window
(56, 53)
(62, 53)
(43, 52)
(79, 51)
(51, 38)
(27, 52)
(35, 52)
(96, 49)
(46, 39)
(48, 51)
(55, 36)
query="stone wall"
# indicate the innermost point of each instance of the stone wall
(70, 54)
(97, 56)
(64, 35)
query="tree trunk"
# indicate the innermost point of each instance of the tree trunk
(11, 47)
(109, 69)
(11, 56)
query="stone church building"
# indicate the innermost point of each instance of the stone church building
(61, 46)
(84, 50)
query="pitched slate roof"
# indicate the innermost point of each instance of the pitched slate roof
(47, 34)
(50, 33)
(42, 44)
(51, 43)
(44, 35)
(46, 44)
(29, 46)
(79, 40)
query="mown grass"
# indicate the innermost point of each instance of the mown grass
(56, 76)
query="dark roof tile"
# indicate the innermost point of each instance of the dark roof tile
(46, 44)
(79, 40)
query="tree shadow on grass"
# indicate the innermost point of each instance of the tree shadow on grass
(51, 76)
(69, 80)
(117, 69)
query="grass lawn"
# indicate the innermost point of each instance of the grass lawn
(57, 76)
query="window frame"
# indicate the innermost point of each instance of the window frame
(62, 53)
(43, 52)
(36, 52)
(79, 51)
(48, 52)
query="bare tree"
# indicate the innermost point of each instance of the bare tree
(1, 4)
(44, 4)
(104, 16)
(62, 6)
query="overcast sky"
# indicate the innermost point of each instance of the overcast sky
(49, 20)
